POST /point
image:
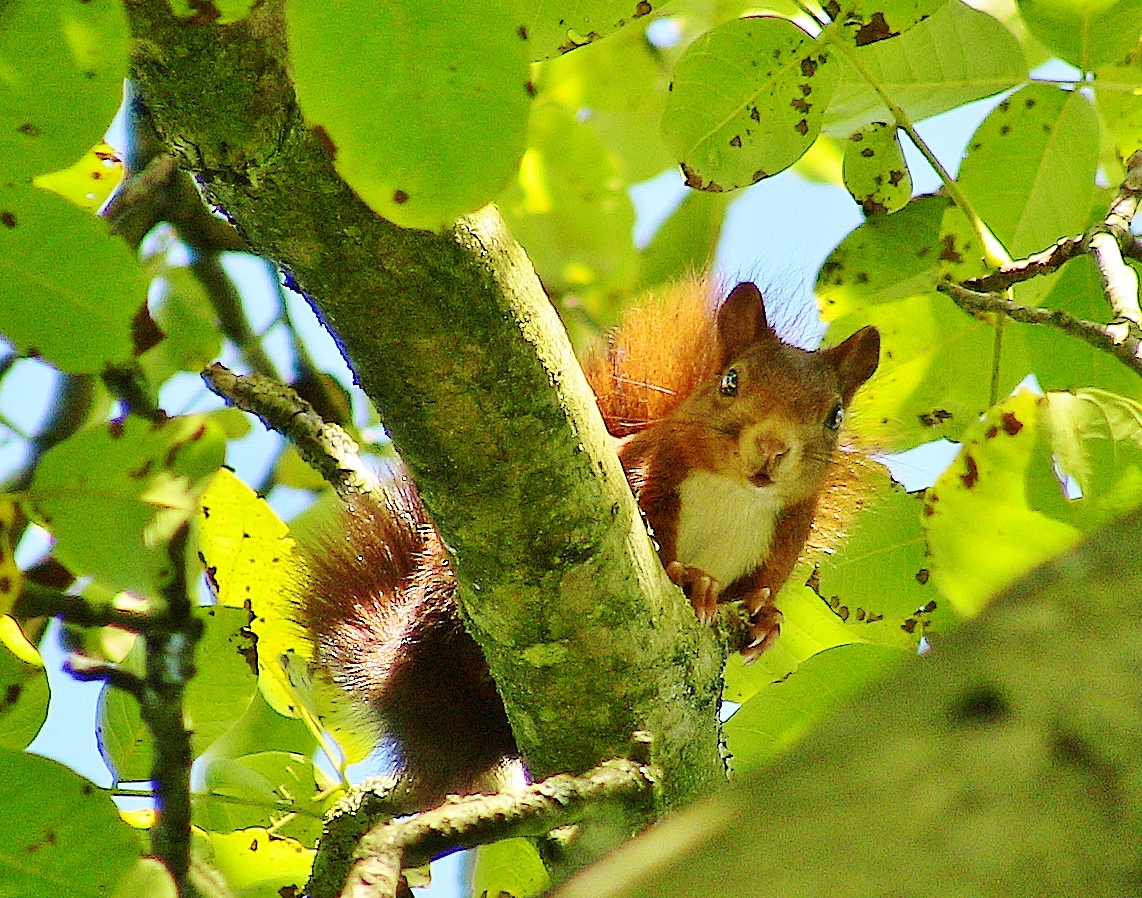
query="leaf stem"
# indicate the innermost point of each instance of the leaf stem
(994, 252)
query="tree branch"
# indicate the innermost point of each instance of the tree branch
(1120, 341)
(325, 447)
(461, 352)
(394, 845)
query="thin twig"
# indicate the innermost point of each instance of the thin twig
(326, 447)
(169, 668)
(1033, 266)
(474, 820)
(1120, 339)
(37, 600)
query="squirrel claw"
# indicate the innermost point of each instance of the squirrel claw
(765, 625)
(702, 589)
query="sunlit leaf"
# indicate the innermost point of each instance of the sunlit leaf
(68, 289)
(1086, 33)
(59, 834)
(23, 700)
(140, 481)
(864, 22)
(955, 56)
(559, 29)
(747, 101)
(982, 531)
(779, 715)
(509, 868)
(875, 172)
(62, 65)
(258, 864)
(423, 105)
(1029, 168)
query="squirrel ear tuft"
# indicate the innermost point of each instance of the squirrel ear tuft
(741, 320)
(855, 360)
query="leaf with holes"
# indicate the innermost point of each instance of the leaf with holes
(747, 101)
(983, 529)
(875, 172)
(865, 22)
(956, 55)
(553, 29)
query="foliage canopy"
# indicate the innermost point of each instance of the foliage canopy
(1007, 303)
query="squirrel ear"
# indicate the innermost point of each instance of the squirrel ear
(741, 320)
(855, 360)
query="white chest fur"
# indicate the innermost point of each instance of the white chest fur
(725, 527)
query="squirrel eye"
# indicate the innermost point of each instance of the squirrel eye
(836, 416)
(729, 386)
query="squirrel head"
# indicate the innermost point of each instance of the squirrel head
(771, 414)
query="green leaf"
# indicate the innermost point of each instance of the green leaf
(509, 869)
(934, 377)
(62, 65)
(140, 481)
(23, 701)
(1096, 439)
(1118, 94)
(876, 579)
(746, 102)
(617, 88)
(864, 22)
(1060, 361)
(125, 742)
(955, 56)
(779, 715)
(1029, 169)
(983, 531)
(262, 789)
(261, 728)
(226, 677)
(552, 30)
(59, 834)
(215, 12)
(809, 627)
(68, 289)
(192, 336)
(260, 864)
(570, 207)
(1086, 33)
(423, 105)
(884, 260)
(251, 559)
(875, 172)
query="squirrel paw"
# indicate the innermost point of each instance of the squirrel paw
(765, 624)
(702, 589)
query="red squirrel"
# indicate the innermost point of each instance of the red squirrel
(726, 434)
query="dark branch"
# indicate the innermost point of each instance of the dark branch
(1121, 339)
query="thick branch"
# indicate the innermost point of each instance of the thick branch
(453, 339)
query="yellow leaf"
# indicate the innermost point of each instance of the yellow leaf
(90, 181)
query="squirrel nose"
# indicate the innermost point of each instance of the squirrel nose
(769, 455)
